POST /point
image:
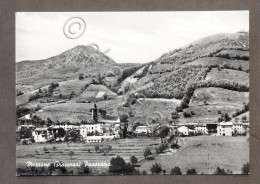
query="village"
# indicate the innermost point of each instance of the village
(96, 131)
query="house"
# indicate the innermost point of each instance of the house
(94, 139)
(239, 128)
(68, 126)
(143, 129)
(86, 129)
(23, 127)
(183, 130)
(225, 129)
(201, 129)
(41, 134)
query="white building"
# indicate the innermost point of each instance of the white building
(230, 128)
(225, 129)
(90, 128)
(94, 139)
(101, 138)
(143, 129)
(239, 127)
(40, 134)
(67, 127)
(183, 130)
(201, 128)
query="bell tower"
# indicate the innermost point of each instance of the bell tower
(94, 111)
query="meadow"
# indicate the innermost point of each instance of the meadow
(204, 153)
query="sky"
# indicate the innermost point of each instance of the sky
(131, 37)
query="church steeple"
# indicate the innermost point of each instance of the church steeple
(94, 111)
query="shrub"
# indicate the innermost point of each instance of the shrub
(45, 149)
(84, 170)
(245, 169)
(19, 93)
(119, 166)
(26, 142)
(97, 148)
(156, 168)
(133, 160)
(220, 171)
(161, 148)
(147, 152)
(57, 169)
(191, 172)
(71, 153)
(184, 105)
(186, 114)
(176, 171)
(81, 77)
(144, 173)
(179, 109)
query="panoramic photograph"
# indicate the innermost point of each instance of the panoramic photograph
(132, 93)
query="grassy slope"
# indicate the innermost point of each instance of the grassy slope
(205, 154)
(226, 101)
(227, 74)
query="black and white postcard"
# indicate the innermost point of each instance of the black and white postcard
(132, 93)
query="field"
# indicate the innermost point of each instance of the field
(230, 75)
(226, 101)
(220, 61)
(66, 87)
(204, 153)
(122, 147)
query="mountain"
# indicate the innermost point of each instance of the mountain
(67, 65)
(202, 81)
(169, 75)
(210, 77)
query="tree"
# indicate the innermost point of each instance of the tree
(96, 148)
(205, 98)
(156, 168)
(106, 149)
(133, 160)
(124, 118)
(224, 117)
(191, 172)
(175, 116)
(240, 68)
(102, 112)
(46, 150)
(71, 153)
(161, 148)
(179, 109)
(81, 77)
(84, 170)
(220, 171)
(19, 93)
(246, 168)
(49, 122)
(119, 166)
(176, 171)
(72, 94)
(57, 169)
(244, 118)
(147, 152)
(25, 133)
(144, 173)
